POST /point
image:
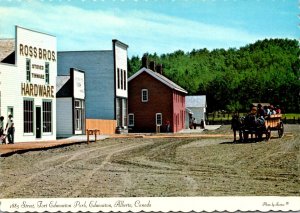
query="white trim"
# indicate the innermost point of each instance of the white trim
(33, 117)
(46, 133)
(142, 95)
(42, 116)
(160, 119)
(131, 124)
(153, 74)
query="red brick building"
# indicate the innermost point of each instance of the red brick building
(154, 100)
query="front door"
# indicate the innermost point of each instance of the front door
(38, 130)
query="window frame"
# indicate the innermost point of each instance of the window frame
(121, 73)
(28, 69)
(156, 116)
(131, 118)
(78, 117)
(30, 115)
(118, 77)
(46, 113)
(47, 73)
(147, 95)
(125, 79)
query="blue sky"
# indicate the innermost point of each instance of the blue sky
(160, 26)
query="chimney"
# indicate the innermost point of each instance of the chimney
(152, 66)
(159, 69)
(145, 61)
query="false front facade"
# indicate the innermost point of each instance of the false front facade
(106, 87)
(28, 72)
(70, 102)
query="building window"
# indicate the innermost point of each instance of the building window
(28, 116)
(144, 95)
(125, 79)
(119, 111)
(28, 69)
(121, 79)
(10, 111)
(124, 111)
(158, 119)
(118, 78)
(47, 116)
(78, 114)
(78, 119)
(47, 75)
(131, 119)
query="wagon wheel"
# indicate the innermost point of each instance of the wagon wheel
(280, 130)
(268, 133)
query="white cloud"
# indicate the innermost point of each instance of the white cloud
(143, 31)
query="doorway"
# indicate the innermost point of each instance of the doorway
(38, 130)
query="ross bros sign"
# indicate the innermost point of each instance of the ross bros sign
(30, 51)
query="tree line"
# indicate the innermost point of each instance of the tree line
(267, 71)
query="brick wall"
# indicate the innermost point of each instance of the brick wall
(160, 101)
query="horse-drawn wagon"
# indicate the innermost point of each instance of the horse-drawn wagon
(259, 127)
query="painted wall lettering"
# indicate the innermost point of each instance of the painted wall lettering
(30, 51)
(36, 75)
(36, 90)
(38, 67)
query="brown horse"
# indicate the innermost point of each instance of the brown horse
(237, 125)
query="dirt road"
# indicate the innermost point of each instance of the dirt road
(157, 167)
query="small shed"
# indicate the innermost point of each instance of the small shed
(195, 108)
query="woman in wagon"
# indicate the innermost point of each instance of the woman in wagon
(267, 110)
(260, 115)
(277, 109)
(272, 110)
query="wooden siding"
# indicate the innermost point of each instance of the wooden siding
(64, 117)
(105, 126)
(99, 78)
(12, 76)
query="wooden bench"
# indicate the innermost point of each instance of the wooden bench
(92, 132)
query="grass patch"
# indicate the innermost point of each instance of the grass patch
(291, 115)
(228, 116)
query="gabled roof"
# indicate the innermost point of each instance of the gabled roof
(61, 80)
(195, 101)
(160, 78)
(7, 47)
(189, 111)
(63, 86)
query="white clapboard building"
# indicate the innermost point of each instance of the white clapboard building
(195, 108)
(28, 69)
(70, 102)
